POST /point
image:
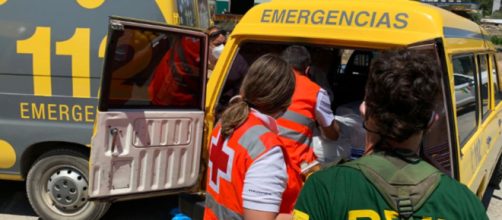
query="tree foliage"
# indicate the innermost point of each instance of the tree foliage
(496, 40)
(485, 6)
(496, 14)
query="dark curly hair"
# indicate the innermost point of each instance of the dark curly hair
(401, 91)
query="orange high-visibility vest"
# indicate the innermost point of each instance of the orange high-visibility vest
(177, 79)
(230, 159)
(298, 122)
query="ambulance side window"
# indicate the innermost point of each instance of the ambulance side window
(465, 95)
(497, 79)
(484, 83)
(154, 69)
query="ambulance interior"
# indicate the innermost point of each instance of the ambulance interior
(335, 70)
(343, 72)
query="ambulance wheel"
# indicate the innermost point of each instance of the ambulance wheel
(57, 186)
(497, 175)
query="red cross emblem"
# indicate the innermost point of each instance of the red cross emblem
(220, 162)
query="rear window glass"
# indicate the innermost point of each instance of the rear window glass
(155, 69)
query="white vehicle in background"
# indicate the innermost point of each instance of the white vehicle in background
(465, 93)
(465, 89)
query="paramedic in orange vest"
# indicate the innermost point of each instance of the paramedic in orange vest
(176, 80)
(249, 175)
(309, 107)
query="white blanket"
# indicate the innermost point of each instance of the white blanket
(349, 144)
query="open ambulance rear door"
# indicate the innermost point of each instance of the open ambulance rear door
(149, 128)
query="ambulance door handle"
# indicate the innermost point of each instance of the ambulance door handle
(488, 140)
(113, 136)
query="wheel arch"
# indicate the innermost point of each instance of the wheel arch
(33, 152)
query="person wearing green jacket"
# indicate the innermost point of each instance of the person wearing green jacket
(391, 181)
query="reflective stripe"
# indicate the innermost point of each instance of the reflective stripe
(183, 63)
(450, 32)
(174, 71)
(220, 211)
(252, 142)
(298, 118)
(187, 68)
(294, 135)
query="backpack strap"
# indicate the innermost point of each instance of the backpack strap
(405, 183)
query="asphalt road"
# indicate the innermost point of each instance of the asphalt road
(495, 204)
(14, 205)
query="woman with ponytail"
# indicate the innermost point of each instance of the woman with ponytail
(248, 174)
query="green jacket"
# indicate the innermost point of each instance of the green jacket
(344, 192)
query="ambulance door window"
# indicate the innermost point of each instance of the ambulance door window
(483, 79)
(436, 145)
(465, 95)
(154, 69)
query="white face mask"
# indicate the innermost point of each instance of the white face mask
(217, 50)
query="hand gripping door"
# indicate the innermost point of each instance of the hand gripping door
(148, 133)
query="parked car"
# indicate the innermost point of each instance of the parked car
(465, 93)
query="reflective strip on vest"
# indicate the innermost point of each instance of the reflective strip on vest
(298, 118)
(298, 137)
(184, 61)
(176, 75)
(221, 211)
(294, 135)
(252, 142)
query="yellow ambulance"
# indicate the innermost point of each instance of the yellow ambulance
(143, 146)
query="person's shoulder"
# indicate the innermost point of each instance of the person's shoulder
(453, 195)
(458, 192)
(447, 181)
(312, 84)
(305, 80)
(455, 188)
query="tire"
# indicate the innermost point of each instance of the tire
(57, 187)
(497, 175)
